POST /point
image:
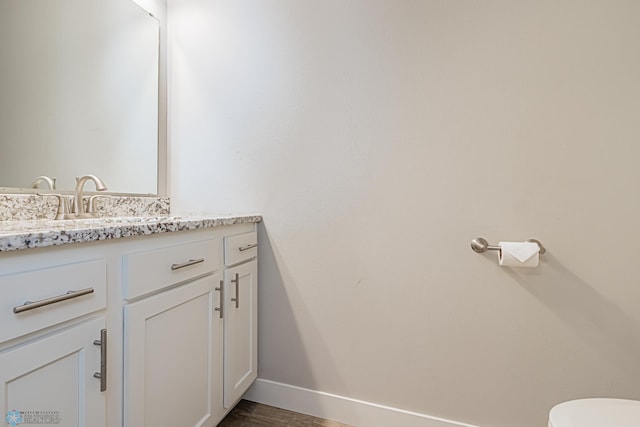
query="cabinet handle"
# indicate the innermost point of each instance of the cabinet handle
(102, 375)
(246, 248)
(221, 308)
(186, 264)
(30, 305)
(237, 282)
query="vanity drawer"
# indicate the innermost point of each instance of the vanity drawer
(36, 299)
(152, 270)
(240, 248)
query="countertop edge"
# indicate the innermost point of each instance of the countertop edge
(34, 234)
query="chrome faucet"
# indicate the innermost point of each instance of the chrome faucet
(43, 178)
(78, 207)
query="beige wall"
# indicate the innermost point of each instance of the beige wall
(378, 137)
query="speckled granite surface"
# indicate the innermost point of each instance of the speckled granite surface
(26, 207)
(15, 235)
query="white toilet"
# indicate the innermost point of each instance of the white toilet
(596, 413)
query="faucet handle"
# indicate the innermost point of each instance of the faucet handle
(63, 206)
(91, 204)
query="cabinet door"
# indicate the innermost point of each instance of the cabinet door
(240, 330)
(50, 380)
(169, 356)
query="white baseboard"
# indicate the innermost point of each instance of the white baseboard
(339, 408)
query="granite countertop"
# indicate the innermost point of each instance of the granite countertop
(15, 235)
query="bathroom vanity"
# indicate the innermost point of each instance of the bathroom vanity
(131, 321)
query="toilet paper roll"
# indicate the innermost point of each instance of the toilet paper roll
(519, 254)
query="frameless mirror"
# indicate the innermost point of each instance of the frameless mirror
(79, 93)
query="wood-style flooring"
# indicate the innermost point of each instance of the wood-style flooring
(250, 414)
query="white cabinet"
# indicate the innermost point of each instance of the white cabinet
(51, 380)
(171, 332)
(49, 325)
(240, 331)
(72, 289)
(180, 314)
(241, 310)
(190, 338)
(169, 339)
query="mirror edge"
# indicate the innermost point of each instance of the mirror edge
(158, 9)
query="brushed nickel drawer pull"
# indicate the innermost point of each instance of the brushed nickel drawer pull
(246, 248)
(221, 308)
(187, 264)
(102, 375)
(237, 282)
(30, 305)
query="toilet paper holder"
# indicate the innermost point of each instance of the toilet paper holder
(480, 245)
